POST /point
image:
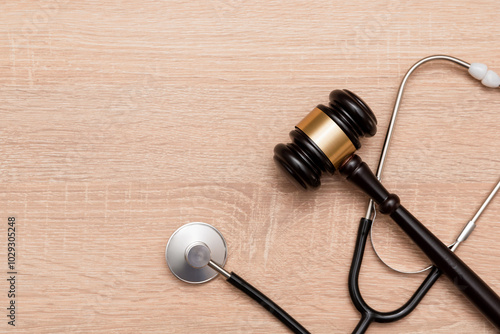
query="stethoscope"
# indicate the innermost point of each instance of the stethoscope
(197, 252)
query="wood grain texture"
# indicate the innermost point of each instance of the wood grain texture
(123, 120)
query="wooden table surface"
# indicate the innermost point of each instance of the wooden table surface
(123, 120)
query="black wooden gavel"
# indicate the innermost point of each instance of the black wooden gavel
(326, 139)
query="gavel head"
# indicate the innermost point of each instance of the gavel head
(325, 138)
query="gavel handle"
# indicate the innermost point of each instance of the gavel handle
(464, 278)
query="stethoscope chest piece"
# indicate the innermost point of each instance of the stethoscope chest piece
(189, 250)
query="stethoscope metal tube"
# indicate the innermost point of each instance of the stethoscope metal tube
(466, 232)
(219, 269)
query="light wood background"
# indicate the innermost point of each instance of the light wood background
(123, 120)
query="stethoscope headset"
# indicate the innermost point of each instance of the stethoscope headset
(323, 142)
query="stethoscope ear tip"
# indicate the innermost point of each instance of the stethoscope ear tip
(190, 249)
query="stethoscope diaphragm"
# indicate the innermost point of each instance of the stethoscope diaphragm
(191, 247)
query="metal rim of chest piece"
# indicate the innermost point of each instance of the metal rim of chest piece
(186, 238)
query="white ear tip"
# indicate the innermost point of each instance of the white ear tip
(491, 80)
(478, 70)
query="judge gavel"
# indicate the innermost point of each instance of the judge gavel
(325, 141)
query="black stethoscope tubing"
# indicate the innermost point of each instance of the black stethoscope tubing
(369, 314)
